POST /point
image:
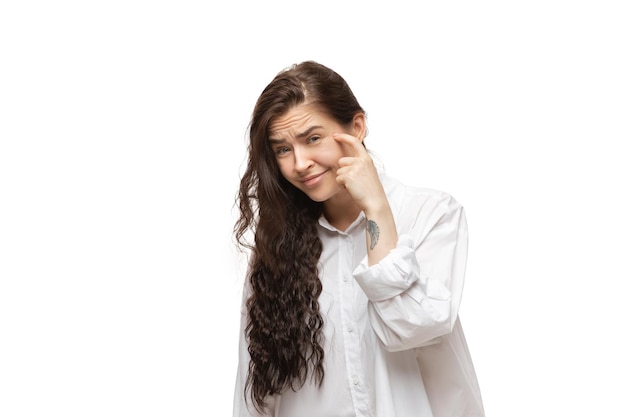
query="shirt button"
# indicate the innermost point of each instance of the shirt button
(350, 329)
(345, 279)
(355, 381)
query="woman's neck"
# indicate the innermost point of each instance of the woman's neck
(341, 210)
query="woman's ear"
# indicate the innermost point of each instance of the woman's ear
(359, 126)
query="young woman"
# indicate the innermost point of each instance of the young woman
(354, 279)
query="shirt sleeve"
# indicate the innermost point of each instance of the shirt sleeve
(415, 291)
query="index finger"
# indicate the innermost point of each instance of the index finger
(353, 145)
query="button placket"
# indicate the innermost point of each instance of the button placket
(350, 330)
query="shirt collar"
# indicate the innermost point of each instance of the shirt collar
(325, 224)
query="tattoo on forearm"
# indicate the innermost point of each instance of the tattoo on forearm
(374, 232)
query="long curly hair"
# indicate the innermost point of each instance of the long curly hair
(284, 326)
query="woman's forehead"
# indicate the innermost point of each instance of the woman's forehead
(295, 119)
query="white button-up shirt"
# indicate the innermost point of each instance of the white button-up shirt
(394, 346)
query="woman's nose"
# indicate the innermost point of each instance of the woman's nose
(302, 159)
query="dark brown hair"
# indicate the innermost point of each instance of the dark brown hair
(284, 327)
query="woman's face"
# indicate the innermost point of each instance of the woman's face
(306, 152)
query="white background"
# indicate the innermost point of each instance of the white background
(123, 129)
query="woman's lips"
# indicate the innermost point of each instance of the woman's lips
(313, 179)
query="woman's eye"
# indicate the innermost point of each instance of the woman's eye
(314, 139)
(281, 151)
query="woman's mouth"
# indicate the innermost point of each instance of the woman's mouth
(312, 180)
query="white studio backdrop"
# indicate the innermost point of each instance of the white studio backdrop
(122, 137)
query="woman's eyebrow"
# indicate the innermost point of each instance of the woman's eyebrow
(275, 141)
(298, 135)
(307, 132)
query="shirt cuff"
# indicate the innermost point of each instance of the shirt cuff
(393, 275)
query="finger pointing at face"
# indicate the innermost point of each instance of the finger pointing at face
(357, 172)
(351, 145)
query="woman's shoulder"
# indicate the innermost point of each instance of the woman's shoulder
(402, 191)
(419, 208)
